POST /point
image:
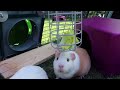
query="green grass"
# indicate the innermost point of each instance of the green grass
(46, 31)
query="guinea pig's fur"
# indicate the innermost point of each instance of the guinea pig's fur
(71, 64)
(30, 72)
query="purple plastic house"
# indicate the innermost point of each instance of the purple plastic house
(104, 35)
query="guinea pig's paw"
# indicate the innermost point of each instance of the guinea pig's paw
(57, 78)
(80, 77)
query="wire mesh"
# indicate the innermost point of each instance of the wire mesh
(85, 14)
(62, 25)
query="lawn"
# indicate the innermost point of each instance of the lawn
(63, 26)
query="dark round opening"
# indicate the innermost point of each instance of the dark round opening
(21, 33)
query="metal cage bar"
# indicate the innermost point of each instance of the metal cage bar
(68, 21)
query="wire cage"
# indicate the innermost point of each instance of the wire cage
(63, 29)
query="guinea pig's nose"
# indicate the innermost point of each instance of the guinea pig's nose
(61, 66)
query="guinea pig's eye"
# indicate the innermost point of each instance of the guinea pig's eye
(67, 59)
(57, 58)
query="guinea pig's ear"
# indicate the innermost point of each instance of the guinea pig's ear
(57, 53)
(72, 55)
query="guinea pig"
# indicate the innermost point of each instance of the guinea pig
(30, 72)
(71, 64)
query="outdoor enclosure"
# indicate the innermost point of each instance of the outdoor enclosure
(56, 25)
